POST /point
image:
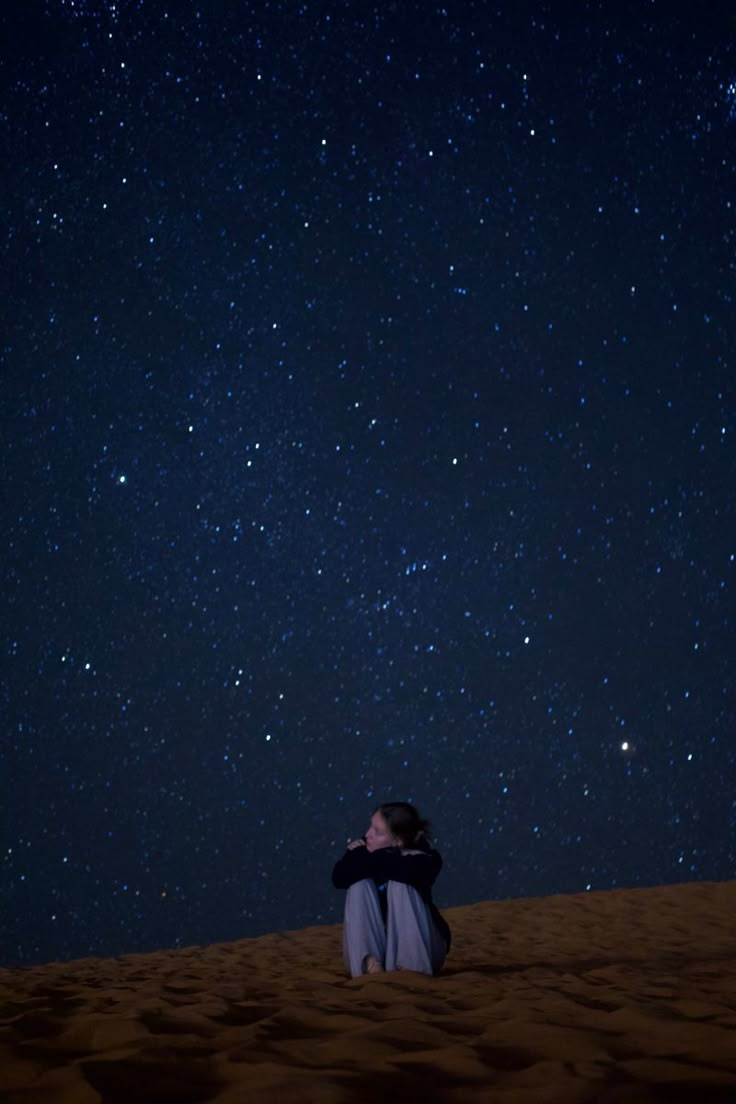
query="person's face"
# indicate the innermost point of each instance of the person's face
(379, 834)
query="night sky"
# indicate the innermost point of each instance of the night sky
(368, 433)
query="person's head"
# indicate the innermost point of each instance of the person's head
(397, 824)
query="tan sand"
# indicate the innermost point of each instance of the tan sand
(611, 997)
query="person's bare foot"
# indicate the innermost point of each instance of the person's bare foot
(373, 966)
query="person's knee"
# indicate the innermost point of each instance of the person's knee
(401, 887)
(362, 888)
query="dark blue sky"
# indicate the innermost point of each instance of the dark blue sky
(368, 433)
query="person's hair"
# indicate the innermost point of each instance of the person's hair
(406, 824)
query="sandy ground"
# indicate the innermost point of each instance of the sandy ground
(609, 997)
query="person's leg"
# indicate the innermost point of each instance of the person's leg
(363, 933)
(412, 940)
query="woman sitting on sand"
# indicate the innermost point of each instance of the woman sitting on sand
(391, 921)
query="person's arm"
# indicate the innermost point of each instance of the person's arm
(388, 864)
(414, 868)
(351, 868)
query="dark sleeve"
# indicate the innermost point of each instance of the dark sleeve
(387, 865)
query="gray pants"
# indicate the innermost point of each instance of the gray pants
(408, 941)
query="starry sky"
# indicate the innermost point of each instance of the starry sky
(368, 433)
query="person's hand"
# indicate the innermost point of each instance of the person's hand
(356, 843)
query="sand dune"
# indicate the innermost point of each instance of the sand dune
(610, 997)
